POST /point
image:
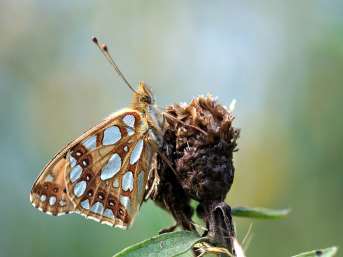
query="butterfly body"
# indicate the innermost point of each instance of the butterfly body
(103, 174)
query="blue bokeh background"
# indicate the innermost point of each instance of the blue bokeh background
(281, 60)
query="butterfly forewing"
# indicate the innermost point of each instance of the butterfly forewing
(102, 174)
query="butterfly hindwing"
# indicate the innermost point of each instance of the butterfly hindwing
(86, 172)
(49, 193)
(111, 187)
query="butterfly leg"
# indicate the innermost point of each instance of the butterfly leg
(155, 181)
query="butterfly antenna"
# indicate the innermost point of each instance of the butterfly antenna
(104, 50)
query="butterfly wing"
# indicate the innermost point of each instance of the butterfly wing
(48, 193)
(115, 152)
(107, 184)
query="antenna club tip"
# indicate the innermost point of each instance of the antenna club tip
(95, 40)
(104, 47)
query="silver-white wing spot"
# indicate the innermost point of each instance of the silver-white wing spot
(111, 168)
(90, 143)
(129, 120)
(109, 213)
(49, 178)
(75, 173)
(72, 161)
(136, 152)
(115, 183)
(125, 201)
(130, 131)
(98, 207)
(127, 181)
(80, 188)
(111, 135)
(52, 200)
(85, 204)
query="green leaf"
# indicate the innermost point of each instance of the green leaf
(259, 213)
(168, 244)
(328, 252)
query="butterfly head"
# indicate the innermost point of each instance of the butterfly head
(143, 98)
(145, 94)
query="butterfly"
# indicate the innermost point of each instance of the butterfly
(104, 173)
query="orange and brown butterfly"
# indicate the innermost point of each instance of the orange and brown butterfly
(104, 173)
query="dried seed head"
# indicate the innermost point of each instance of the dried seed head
(199, 141)
(201, 146)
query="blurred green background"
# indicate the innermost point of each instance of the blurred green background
(281, 60)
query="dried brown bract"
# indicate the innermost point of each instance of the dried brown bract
(199, 140)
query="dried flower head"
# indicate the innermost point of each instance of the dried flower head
(204, 160)
(199, 140)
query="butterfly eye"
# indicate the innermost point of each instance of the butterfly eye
(146, 99)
